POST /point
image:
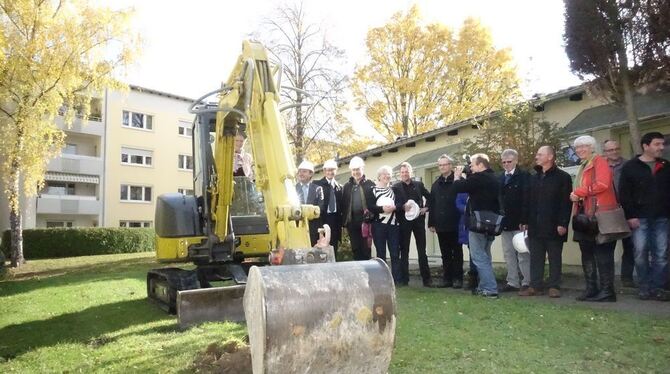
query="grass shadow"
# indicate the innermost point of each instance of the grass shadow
(80, 327)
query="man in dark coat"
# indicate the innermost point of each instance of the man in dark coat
(354, 208)
(483, 187)
(514, 191)
(443, 219)
(546, 217)
(645, 196)
(405, 190)
(309, 193)
(331, 212)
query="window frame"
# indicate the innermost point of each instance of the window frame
(129, 193)
(183, 166)
(126, 223)
(127, 119)
(128, 152)
(187, 127)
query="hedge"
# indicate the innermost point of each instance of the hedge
(70, 242)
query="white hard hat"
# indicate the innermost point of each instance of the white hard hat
(356, 163)
(306, 165)
(413, 211)
(330, 164)
(519, 242)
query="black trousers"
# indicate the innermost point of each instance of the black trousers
(540, 249)
(600, 257)
(359, 246)
(452, 256)
(334, 220)
(418, 228)
(627, 258)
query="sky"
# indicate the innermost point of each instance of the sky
(190, 47)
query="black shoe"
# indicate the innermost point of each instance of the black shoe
(488, 295)
(458, 284)
(603, 296)
(644, 296)
(661, 295)
(448, 284)
(587, 294)
(508, 288)
(628, 283)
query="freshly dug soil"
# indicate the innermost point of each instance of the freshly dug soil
(232, 357)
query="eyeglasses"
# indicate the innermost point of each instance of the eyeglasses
(613, 149)
(506, 162)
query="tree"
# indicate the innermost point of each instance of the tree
(55, 55)
(514, 127)
(623, 45)
(310, 64)
(419, 77)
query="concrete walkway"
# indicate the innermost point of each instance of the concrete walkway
(572, 286)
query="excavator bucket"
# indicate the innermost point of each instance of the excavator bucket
(215, 304)
(321, 318)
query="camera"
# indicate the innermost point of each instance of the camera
(466, 169)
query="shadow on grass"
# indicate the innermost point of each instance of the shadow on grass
(122, 269)
(88, 326)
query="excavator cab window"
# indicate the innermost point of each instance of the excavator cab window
(247, 209)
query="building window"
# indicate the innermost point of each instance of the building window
(185, 162)
(130, 156)
(135, 193)
(185, 129)
(135, 224)
(55, 224)
(185, 191)
(58, 188)
(70, 149)
(137, 120)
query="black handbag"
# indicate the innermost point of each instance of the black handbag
(581, 222)
(486, 221)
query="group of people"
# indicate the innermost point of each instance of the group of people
(539, 203)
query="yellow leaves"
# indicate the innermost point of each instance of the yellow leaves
(55, 53)
(421, 76)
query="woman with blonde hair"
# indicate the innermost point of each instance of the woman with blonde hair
(593, 191)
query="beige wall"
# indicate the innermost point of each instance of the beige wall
(163, 140)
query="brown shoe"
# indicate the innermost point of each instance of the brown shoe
(554, 292)
(530, 291)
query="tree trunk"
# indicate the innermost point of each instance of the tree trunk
(16, 229)
(628, 100)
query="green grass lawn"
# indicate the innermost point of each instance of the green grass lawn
(91, 314)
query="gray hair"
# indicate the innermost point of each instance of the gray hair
(481, 158)
(586, 140)
(384, 169)
(509, 152)
(445, 157)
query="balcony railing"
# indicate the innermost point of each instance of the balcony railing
(68, 204)
(92, 126)
(68, 163)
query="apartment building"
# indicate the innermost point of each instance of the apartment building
(135, 146)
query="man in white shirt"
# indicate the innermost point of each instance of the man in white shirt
(331, 212)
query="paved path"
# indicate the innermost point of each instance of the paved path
(573, 284)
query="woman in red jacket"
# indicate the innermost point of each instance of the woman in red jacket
(593, 188)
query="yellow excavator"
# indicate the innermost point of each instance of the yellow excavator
(234, 229)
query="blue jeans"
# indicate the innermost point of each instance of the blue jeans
(651, 240)
(383, 234)
(480, 253)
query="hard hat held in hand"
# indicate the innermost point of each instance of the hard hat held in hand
(413, 211)
(519, 242)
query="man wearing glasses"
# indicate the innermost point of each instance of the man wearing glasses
(514, 184)
(612, 151)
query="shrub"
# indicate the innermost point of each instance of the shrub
(70, 242)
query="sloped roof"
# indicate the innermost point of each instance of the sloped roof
(648, 107)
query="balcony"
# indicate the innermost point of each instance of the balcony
(92, 126)
(68, 163)
(68, 204)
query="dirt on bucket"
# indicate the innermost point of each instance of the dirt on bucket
(232, 357)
